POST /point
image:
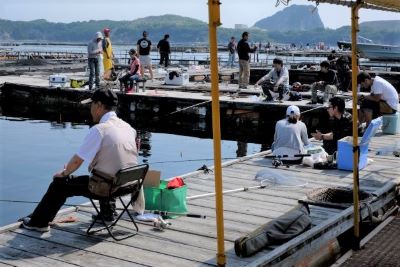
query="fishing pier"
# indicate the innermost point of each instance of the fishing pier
(192, 241)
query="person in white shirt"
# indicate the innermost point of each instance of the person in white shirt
(383, 99)
(109, 146)
(290, 135)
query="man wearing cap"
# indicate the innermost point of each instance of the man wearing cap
(109, 146)
(383, 99)
(340, 125)
(108, 54)
(94, 53)
(290, 135)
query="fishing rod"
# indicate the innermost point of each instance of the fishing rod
(158, 212)
(189, 107)
(186, 160)
(308, 110)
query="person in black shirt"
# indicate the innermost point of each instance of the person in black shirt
(164, 50)
(340, 125)
(326, 81)
(243, 50)
(144, 48)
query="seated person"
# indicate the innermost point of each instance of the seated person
(109, 146)
(332, 58)
(134, 73)
(326, 81)
(290, 135)
(343, 73)
(383, 99)
(340, 125)
(279, 78)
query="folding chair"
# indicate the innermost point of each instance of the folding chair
(128, 181)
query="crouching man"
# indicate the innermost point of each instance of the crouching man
(109, 146)
(383, 99)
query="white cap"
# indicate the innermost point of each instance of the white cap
(99, 35)
(293, 110)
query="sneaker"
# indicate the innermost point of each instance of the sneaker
(27, 225)
(107, 219)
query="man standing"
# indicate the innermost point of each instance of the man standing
(279, 76)
(164, 49)
(108, 55)
(326, 81)
(144, 48)
(383, 99)
(109, 146)
(243, 50)
(340, 125)
(232, 52)
(94, 60)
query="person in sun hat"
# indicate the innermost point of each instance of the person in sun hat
(94, 53)
(109, 146)
(290, 135)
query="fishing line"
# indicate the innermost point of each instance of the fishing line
(187, 160)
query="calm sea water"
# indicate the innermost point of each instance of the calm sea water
(31, 151)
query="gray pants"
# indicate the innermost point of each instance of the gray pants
(94, 68)
(329, 91)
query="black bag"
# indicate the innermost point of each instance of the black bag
(275, 232)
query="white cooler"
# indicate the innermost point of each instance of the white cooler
(182, 79)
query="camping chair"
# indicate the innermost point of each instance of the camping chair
(128, 181)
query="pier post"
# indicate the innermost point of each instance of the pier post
(356, 148)
(213, 23)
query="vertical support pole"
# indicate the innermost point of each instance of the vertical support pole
(356, 148)
(213, 23)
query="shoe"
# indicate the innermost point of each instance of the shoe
(27, 225)
(107, 218)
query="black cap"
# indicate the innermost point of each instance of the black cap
(105, 96)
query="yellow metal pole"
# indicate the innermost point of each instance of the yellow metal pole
(354, 69)
(213, 23)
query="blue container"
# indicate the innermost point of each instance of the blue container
(344, 157)
(391, 123)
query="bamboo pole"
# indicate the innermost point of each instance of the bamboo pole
(213, 23)
(356, 148)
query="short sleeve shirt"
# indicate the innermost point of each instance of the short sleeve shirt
(92, 142)
(386, 90)
(144, 46)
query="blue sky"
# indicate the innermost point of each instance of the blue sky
(232, 11)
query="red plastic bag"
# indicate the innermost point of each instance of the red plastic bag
(175, 183)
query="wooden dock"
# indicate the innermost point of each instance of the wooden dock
(192, 242)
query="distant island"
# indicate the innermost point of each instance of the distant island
(295, 24)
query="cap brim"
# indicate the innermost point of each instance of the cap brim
(87, 101)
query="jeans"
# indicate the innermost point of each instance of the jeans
(164, 58)
(94, 68)
(244, 73)
(58, 192)
(231, 60)
(129, 77)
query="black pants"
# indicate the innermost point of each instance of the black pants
(266, 87)
(164, 58)
(58, 192)
(125, 79)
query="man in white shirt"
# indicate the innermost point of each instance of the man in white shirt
(383, 99)
(109, 146)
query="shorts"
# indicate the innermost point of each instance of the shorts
(145, 61)
(377, 108)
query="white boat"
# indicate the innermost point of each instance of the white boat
(368, 49)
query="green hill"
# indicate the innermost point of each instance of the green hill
(183, 30)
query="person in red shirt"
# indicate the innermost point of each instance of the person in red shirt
(134, 73)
